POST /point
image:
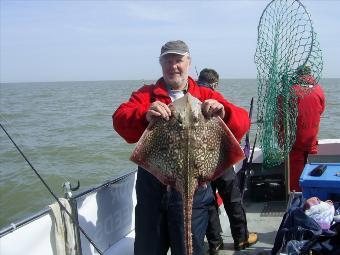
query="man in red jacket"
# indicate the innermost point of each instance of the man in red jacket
(311, 104)
(159, 216)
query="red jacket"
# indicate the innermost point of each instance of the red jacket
(311, 105)
(130, 122)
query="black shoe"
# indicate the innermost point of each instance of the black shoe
(215, 250)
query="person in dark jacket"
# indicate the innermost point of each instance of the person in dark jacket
(158, 213)
(229, 190)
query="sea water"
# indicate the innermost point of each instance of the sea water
(65, 130)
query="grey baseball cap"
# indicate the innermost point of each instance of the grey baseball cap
(175, 47)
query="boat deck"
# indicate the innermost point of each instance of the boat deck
(263, 218)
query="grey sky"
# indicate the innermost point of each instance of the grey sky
(113, 40)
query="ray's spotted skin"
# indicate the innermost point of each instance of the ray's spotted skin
(186, 151)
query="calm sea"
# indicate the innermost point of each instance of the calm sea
(65, 130)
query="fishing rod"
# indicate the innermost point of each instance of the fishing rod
(243, 171)
(196, 72)
(51, 192)
(248, 167)
(252, 153)
(247, 146)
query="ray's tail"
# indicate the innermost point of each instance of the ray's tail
(187, 212)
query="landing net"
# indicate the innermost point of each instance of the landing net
(286, 48)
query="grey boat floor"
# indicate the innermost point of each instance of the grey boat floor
(263, 218)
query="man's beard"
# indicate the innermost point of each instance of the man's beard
(176, 83)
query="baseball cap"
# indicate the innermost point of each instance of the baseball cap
(175, 47)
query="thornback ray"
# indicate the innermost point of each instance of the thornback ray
(186, 151)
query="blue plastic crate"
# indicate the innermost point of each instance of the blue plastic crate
(326, 186)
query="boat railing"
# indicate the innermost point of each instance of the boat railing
(13, 226)
(106, 183)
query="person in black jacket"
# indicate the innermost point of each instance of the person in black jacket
(229, 190)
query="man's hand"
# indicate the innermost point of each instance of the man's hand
(212, 108)
(158, 109)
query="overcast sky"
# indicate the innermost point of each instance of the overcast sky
(113, 40)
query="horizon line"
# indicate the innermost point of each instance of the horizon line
(61, 81)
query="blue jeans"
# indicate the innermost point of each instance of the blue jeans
(159, 218)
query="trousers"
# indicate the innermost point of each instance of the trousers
(228, 189)
(297, 159)
(159, 223)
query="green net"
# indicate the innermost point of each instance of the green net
(286, 48)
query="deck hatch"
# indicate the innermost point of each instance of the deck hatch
(273, 209)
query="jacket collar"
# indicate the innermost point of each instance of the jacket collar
(194, 89)
(160, 88)
(307, 80)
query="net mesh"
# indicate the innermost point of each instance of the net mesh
(286, 48)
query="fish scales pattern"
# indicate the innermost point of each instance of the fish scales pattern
(170, 146)
(208, 148)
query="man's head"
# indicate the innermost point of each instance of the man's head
(208, 78)
(303, 70)
(175, 61)
(304, 76)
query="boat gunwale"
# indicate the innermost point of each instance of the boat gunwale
(20, 223)
(105, 184)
